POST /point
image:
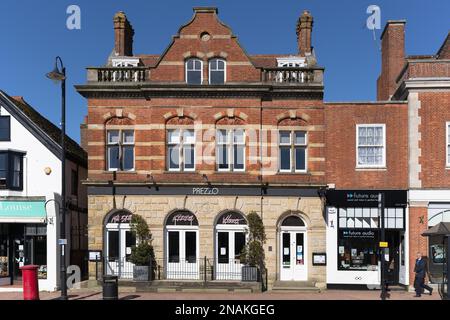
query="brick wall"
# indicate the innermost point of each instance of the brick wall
(341, 121)
(150, 119)
(434, 112)
(418, 223)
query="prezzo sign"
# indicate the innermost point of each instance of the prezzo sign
(205, 191)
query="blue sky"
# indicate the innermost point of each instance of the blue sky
(33, 32)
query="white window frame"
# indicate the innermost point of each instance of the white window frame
(230, 149)
(366, 166)
(186, 70)
(447, 132)
(120, 144)
(224, 69)
(180, 147)
(292, 145)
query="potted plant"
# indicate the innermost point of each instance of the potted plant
(142, 254)
(253, 256)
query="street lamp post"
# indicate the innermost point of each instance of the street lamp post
(382, 250)
(58, 75)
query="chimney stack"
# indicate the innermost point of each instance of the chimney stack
(123, 35)
(304, 31)
(392, 58)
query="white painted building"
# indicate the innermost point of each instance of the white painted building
(30, 195)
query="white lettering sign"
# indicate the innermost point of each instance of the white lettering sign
(205, 191)
(182, 218)
(229, 220)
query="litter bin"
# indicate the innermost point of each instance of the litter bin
(110, 287)
(30, 282)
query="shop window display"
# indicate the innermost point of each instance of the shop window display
(357, 249)
(358, 236)
(4, 269)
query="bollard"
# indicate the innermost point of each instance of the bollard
(110, 287)
(30, 282)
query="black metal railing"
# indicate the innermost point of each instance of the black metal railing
(202, 269)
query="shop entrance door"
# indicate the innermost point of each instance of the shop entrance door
(230, 244)
(182, 253)
(393, 256)
(293, 256)
(119, 240)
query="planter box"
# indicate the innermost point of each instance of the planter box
(250, 274)
(141, 273)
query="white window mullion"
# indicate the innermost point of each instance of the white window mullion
(371, 146)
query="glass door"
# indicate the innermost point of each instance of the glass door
(229, 246)
(392, 256)
(182, 254)
(119, 241)
(293, 256)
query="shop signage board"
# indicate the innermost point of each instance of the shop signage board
(120, 217)
(22, 209)
(358, 233)
(319, 259)
(232, 218)
(95, 255)
(366, 198)
(383, 244)
(204, 190)
(182, 218)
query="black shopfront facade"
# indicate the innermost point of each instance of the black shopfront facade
(353, 236)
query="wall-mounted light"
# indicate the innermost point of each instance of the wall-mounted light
(48, 170)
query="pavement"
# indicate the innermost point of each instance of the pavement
(86, 294)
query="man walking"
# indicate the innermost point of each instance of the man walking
(420, 269)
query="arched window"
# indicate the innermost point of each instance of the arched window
(293, 221)
(182, 246)
(217, 73)
(194, 71)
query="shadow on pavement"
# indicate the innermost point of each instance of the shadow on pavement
(88, 296)
(130, 297)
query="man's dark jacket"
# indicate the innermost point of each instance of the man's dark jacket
(420, 268)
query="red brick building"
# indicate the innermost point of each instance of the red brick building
(196, 138)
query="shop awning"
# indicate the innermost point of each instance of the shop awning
(23, 211)
(441, 229)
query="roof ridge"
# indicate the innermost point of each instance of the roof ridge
(46, 126)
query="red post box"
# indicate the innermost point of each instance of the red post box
(30, 282)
